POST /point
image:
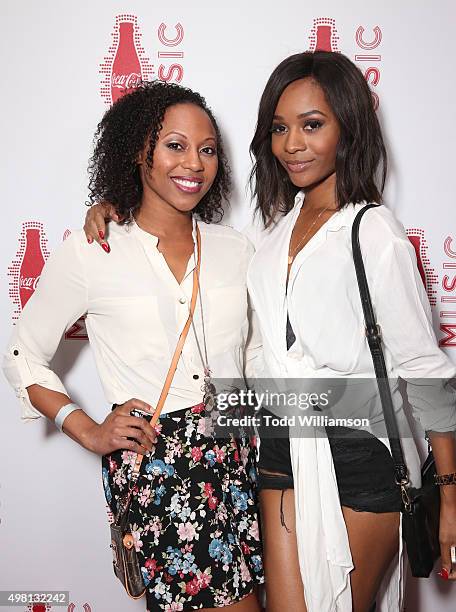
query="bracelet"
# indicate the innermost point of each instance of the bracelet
(63, 413)
(445, 479)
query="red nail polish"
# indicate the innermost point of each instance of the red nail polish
(105, 247)
(90, 240)
(101, 234)
(444, 574)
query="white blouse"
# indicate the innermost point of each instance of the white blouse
(135, 311)
(325, 312)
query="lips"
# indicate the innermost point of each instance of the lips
(298, 166)
(188, 184)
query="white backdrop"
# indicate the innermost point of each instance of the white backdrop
(57, 73)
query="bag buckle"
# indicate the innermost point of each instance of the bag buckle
(406, 500)
(374, 334)
(128, 541)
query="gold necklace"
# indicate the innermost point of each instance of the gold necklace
(291, 257)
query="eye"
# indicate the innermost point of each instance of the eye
(313, 124)
(175, 146)
(209, 150)
(277, 129)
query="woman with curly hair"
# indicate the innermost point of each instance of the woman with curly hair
(159, 159)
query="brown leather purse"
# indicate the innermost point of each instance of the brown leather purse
(125, 560)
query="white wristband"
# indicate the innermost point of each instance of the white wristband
(63, 413)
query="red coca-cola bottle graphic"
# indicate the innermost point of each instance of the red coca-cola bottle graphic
(126, 65)
(32, 264)
(323, 36)
(25, 270)
(126, 69)
(427, 273)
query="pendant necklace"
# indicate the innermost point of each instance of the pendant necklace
(291, 257)
(208, 387)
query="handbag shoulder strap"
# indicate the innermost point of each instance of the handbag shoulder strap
(176, 356)
(374, 339)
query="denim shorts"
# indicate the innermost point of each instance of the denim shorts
(363, 465)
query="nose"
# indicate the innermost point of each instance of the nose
(295, 141)
(192, 160)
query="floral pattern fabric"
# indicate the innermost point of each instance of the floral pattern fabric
(193, 515)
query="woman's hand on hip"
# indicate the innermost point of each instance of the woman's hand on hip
(95, 223)
(120, 430)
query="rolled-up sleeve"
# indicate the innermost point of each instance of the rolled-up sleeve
(58, 301)
(404, 315)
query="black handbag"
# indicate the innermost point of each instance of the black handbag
(420, 507)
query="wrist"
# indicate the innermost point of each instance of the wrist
(448, 494)
(86, 437)
(80, 427)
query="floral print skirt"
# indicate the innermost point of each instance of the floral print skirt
(193, 515)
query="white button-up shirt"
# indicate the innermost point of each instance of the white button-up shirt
(324, 307)
(135, 311)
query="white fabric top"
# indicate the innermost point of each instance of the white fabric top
(325, 312)
(135, 311)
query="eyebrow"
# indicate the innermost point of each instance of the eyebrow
(184, 136)
(304, 115)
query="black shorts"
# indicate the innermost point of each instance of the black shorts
(363, 465)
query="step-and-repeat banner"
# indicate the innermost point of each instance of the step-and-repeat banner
(63, 65)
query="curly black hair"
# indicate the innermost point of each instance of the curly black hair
(361, 159)
(137, 116)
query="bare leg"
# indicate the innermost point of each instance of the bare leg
(284, 590)
(374, 541)
(248, 604)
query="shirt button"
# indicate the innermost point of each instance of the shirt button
(16, 352)
(182, 300)
(195, 376)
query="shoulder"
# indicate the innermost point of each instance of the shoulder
(227, 237)
(380, 230)
(73, 246)
(381, 222)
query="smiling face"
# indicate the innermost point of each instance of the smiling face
(305, 133)
(184, 163)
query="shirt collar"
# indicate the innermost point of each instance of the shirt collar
(151, 239)
(342, 218)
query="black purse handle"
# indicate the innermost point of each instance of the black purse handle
(374, 340)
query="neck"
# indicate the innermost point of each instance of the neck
(161, 219)
(322, 194)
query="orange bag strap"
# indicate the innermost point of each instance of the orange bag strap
(176, 356)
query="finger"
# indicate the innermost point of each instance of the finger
(124, 444)
(147, 428)
(136, 403)
(139, 422)
(137, 434)
(95, 227)
(445, 561)
(98, 227)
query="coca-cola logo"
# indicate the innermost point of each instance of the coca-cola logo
(25, 269)
(125, 81)
(29, 283)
